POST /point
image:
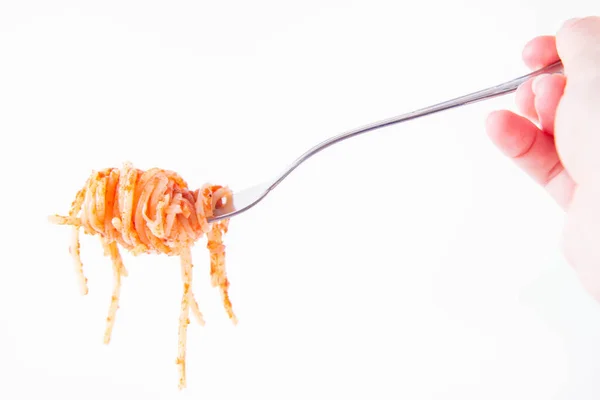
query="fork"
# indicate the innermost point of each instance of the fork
(247, 198)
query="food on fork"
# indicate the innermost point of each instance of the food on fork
(151, 212)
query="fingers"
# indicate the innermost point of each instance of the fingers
(538, 98)
(533, 150)
(578, 44)
(525, 100)
(548, 90)
(540, 52)
(521, 140)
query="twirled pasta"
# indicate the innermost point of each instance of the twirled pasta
(150, 211)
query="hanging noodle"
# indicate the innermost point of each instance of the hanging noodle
(149, 212)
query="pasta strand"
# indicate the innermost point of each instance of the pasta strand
(150, 212)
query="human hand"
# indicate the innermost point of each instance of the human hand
(556, 139)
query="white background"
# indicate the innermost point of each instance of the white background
(414, 262)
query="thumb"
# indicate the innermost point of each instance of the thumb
(577, 125)
(578, 45)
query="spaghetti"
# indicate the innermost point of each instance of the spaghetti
(151, 212)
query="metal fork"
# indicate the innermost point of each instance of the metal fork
(248, 198)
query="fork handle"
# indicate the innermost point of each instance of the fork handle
(485, 94)
(494, 91)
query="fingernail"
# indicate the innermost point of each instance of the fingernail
(536, 82)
